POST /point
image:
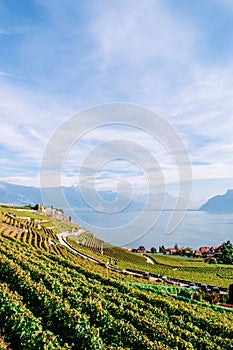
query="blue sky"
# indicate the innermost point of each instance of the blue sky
(174, 57)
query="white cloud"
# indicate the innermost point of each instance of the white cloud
(132, 51)
(22, 180)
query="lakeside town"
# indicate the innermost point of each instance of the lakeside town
(212, 254)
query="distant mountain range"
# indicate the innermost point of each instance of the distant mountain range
(19, 195)
(219, 203)
(28, 195)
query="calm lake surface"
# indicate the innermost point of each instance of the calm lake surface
(196, 229)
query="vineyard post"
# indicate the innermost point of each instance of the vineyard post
(107, 264)
(102, 248)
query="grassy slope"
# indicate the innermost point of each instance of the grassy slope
(193, 270)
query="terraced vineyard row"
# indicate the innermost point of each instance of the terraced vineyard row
(27, 329)
(52, 299)
(27, 231)
(89, 240)
(108, 252)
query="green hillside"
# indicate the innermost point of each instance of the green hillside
(51, 298)
(188, 269)
(88, 243)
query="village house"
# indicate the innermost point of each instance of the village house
(178, 251)
(129, 249)
(171, 251)
(197, 253)
(204, 250)
(210, 251)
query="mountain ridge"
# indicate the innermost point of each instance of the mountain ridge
(29, 195)
(219, 203)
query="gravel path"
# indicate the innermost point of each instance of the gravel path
(149, 260)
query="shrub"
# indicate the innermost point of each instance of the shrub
(212, 298)
(213, 261)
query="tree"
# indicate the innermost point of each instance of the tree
(141, 248)
(191, 253)
(183, 252)
(153, 250)
(226, 254)
(162, 249)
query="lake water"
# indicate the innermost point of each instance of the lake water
(196, 229)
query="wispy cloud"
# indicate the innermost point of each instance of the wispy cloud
(9, 75)
(71, 55)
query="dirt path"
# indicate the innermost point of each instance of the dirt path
(149, 260)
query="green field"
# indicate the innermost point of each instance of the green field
(194, 270)
(177, 261)
(51, 298)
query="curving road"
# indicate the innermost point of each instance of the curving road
(62, 239)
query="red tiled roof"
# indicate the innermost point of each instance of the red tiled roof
(204, 249)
